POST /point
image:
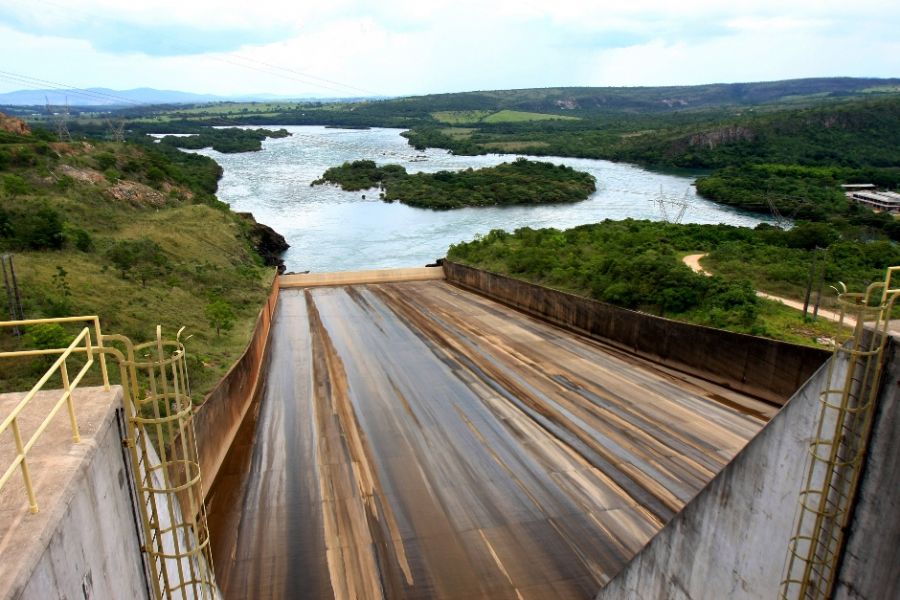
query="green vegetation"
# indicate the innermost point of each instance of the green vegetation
(520, 182)
(460, 117)
(228, 141)
(220, 315)
(810, 193)
(464, 117)
(637, 265)
(361, 175)
(518, 116)
(131, 232)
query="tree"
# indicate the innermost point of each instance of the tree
(60, 305)
(220, 315)
(39, 230)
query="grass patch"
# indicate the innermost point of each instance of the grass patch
(458, 133)
(518, 116)
(460, 117)
(514, 146)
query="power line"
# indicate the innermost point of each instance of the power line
(307, 75)
(37, 83)
(269, 72)
(294, 74)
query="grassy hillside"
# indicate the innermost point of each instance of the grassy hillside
(134, 234)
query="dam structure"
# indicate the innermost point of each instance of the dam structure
(449, 433)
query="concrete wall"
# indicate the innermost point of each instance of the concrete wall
(870, 567)
(92, 550)
(767, 369)
(731, 540)
(217, 421)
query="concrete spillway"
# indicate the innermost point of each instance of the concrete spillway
(418, 441)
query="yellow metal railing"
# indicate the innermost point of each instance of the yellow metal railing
(837, 449)
(163, 450)
(160, 439)
(83, 343)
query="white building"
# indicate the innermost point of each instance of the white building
(877, 201)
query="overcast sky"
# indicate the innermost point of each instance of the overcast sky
(400, 47)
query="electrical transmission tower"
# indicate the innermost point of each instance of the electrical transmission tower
(678, 207)
(116, 129)
(783, 221)
(60, 118)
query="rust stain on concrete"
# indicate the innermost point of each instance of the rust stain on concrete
(418, 441)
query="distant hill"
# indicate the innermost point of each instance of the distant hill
(110, 98)
(575, 100)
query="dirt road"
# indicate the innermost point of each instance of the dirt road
(418, 441)
(693, 261)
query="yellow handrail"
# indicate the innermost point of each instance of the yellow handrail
(82, 343)
(98, 336)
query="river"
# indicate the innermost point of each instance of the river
(332, 230)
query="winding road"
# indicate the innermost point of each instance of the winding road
(693, 261)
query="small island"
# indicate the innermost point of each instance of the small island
(519, 182)
(229, 140)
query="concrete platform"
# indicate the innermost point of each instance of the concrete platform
(359, 277)
(60, 471)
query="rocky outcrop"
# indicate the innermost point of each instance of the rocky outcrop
(137, 194)
(13, 125)
(268, 243)
(83, 175)
(723, 135)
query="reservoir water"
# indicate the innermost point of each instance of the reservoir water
(333, 230)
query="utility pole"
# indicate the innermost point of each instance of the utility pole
(821, 284)
(14, 301)
(809, 282)
(816, 278)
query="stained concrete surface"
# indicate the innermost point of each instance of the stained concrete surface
(83, 542)
(418, 441)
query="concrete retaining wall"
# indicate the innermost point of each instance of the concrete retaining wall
(767, 369)
(217, 421)
(869, 568)
(91, 549)
(731, 540)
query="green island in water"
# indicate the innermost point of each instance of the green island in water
(519, 182)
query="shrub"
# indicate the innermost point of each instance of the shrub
(47, 336)
(14, 185)
(40, 229)
(144, 256)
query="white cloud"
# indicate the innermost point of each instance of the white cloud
(420, 46)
